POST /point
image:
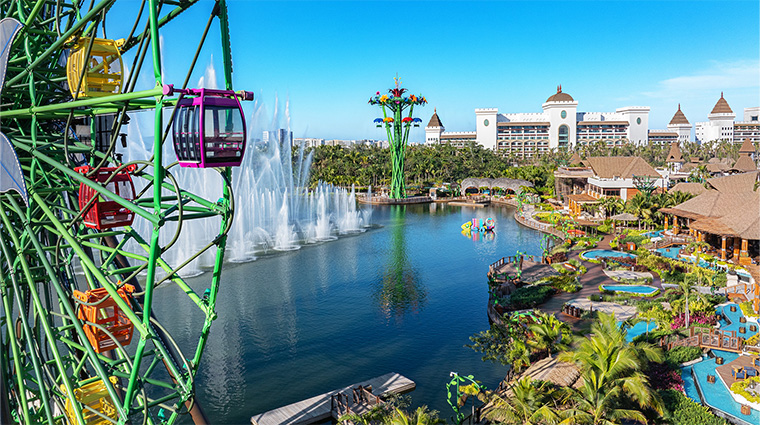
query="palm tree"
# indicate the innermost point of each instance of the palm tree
(421, 416)
(549, 334)
(531, 403)
(610, 373)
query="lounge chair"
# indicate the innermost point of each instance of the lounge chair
(738, 373)
(756, 361)
(750, 371)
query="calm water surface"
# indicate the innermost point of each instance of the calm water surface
(403, 297)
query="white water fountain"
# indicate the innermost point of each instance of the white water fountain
(274, 210)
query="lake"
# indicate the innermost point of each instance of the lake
(404, 297)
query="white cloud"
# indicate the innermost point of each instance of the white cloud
(719, 77)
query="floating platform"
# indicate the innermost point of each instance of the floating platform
(318, 408)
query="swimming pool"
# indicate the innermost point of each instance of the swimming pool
(639, 328)
(716, 395)
(654, 234)
(631, 289)
(734, 317)
(671, 252)
(595, 254)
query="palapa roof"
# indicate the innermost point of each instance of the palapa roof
(679, 117)
(621, 166)
(747, 147)
(737, 183)
(624, 217)
(717, 167)
(559, 96)
(575, 159)
(721, 107)
(582, 198)
(502, 183)
(732, 208)
(675, 153)
(744, 163)
(434, 120)
(688, 187)
(554, 371)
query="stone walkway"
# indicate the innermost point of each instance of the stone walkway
(627, 274)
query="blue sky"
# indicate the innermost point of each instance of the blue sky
(325, 59)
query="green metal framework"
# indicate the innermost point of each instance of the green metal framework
(645, 184)
(44, 352)
(397, 127)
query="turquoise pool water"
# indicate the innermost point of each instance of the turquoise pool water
(734, 317)
(598, 253)
(633, 289)
(671, 252)
(657, 233)
(716, 395)
(639, 328)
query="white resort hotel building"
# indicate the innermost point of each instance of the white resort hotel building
(560, 125)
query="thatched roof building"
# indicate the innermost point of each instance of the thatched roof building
(504, 183)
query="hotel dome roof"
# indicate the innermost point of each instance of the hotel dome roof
(559, 96)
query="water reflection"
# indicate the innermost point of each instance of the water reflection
(400, 290)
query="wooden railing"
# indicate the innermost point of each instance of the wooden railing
(511, 259)
(339, 404)
(707, 338)
(671, 240)
(541, 227)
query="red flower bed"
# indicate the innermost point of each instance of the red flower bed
(694, 318)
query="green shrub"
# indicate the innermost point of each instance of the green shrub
(747, 309)
(681, 410)
(740, 387)
(604, 228)
(680, 355)
(530, 296)
(753, 340)
(564, 283)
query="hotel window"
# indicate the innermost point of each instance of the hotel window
(563, 136)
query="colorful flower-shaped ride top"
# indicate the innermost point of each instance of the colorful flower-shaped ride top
(396, 98)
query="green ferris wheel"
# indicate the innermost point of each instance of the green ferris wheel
(84, 345)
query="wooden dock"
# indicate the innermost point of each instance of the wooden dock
(318, 408)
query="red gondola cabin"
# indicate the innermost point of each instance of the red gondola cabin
(104, 213)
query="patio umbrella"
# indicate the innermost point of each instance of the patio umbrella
(624, 217)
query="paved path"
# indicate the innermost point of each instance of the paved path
(590, 280)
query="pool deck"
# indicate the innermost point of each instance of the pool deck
(725, 370)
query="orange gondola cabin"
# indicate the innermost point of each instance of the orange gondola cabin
(104, 213)
(101, 309)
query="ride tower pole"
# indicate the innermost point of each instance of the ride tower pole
(394, 107)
